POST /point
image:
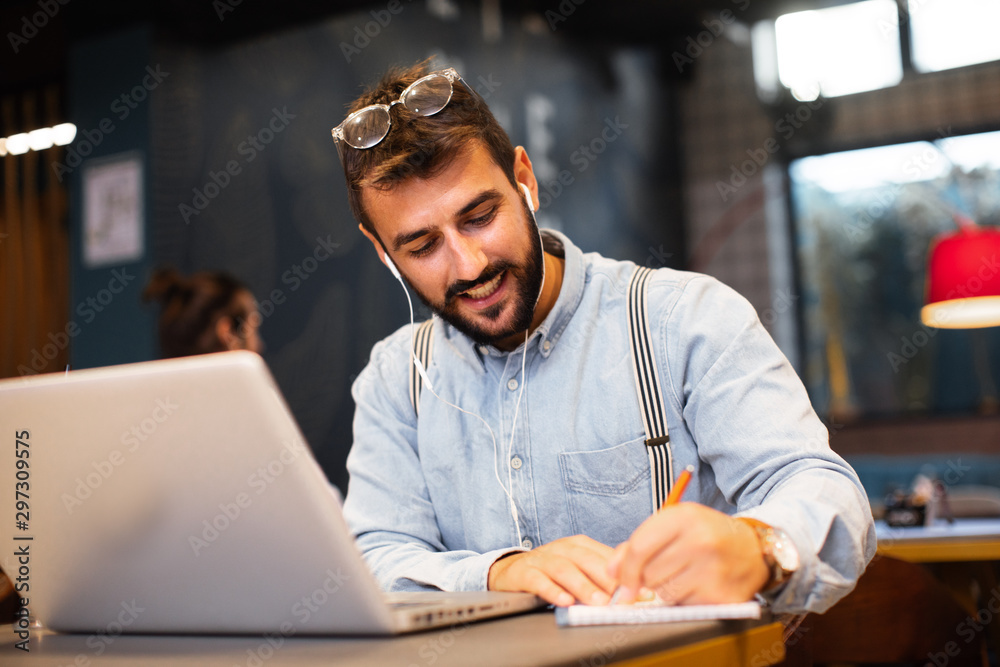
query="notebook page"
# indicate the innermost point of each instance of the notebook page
(635, 614)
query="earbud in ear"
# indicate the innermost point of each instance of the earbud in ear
(392, 268)
(527, 195)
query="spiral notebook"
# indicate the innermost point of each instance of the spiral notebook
(654, 613)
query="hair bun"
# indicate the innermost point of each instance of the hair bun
(165, 283)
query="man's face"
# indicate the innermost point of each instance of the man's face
(466, 243)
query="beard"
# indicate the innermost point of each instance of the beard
(527, 276)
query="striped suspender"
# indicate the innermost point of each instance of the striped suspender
(423, 346)
(647, 383)
(647, 387)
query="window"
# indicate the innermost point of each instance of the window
(855, 47)
(864, 221)
(836, 51)
(953, 33)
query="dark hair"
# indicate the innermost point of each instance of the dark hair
(191, 306)
(420, 146)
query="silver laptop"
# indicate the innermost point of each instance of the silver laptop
(179, 496)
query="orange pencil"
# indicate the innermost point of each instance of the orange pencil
(679, 486)
(673, 498)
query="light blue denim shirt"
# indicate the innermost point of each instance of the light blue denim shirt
(428, 511)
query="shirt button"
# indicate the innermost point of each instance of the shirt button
(515, 463)
(526, 543)
(484, 350)
(512, 384)
(547, 345)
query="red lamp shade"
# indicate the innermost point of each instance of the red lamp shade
(963, 279)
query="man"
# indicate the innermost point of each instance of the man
(524, 466)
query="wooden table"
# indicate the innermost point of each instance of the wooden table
(529, 639)
(963, 540)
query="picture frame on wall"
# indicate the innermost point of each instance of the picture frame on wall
(113, 211)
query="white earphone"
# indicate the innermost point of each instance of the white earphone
(392, 268)
(527, 195)
(416, 362)
(508, 490)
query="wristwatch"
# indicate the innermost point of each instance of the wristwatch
(779, 551)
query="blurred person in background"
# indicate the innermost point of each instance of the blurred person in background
(209, 311)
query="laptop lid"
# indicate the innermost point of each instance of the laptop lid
(175, 496)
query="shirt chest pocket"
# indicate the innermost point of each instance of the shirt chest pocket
(607, 490)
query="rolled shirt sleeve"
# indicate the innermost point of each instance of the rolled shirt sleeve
(753, 423)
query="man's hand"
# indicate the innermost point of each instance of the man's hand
(691, 554)
(560, 572)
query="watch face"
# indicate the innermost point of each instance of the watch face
(784, 552)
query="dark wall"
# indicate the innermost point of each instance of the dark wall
(109, 103)
(244, 175)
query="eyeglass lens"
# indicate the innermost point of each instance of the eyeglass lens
(428, 96)
(367, 129)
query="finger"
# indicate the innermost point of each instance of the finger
(652, 536)
(629, 576)
(595, 566)
(676, 588)
(577, 582)
(542, 585)
(665, 565)
(587, 555)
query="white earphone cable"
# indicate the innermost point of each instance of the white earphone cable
(430, 387)
(509, 488)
